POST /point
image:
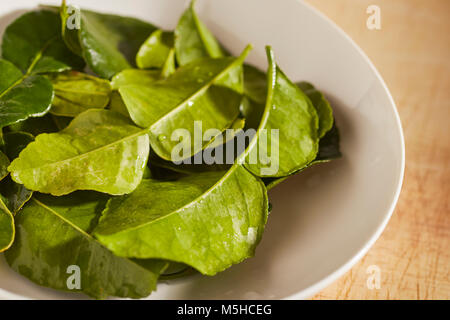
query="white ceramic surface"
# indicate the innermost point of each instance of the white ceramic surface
(323, 220)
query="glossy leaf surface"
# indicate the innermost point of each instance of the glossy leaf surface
(328, 150)
(34, 44)
(76, 92)
(212, 221)
(193, 40)
(14, 195)
(4, 163)
(22, 96)
(100, 150)
(196, 92)
(108, 43)
(289, 114)
(45, 257)
(15, 142)
(155, 51)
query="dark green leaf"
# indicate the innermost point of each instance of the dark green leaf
(7, 228)
(328, 150)
(15, 195)
(61, 122)
(15, 142)
(211, 221)
(22, 96)
(108, 43)
(34, 44)
(35, 126)
(44, 257)
(156, 50)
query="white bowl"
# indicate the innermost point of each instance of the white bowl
(323, 220)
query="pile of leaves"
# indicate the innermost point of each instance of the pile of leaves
(86, 118)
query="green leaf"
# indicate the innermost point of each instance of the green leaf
(14, 195)
(322, 106)
(255, 94)
(76, 92)
(108, 43)
(44, 257)
(156, 50)
(136, 77)
(196, 92)
(34, 44)
(116, 104)
(15, 142)
(36, 126)
(329, 146)
(100, 150)
(289, 111)
(169, 66)
(211, 221)
(4, 163)
(328, 150)
(22, 96)
(7, 228)
(193, 40)
(255, 84)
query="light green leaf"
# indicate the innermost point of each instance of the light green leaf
(44, 257)
(76, 92)
(15, 142)
(100, 150)
(22, 96)
(34, 44)
(136, 77)
(117, 105)
(193, 40)
(322, 106)
(236, 127)
(169, 66)
(155, 51)
(195, 92)
(7, 228)
(108, 43)
(291, 114)
(211, 221)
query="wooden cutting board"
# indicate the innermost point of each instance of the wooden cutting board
(412, 53)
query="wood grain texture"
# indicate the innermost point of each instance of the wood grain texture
(412, 53)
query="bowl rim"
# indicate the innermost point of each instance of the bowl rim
(344, 268)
